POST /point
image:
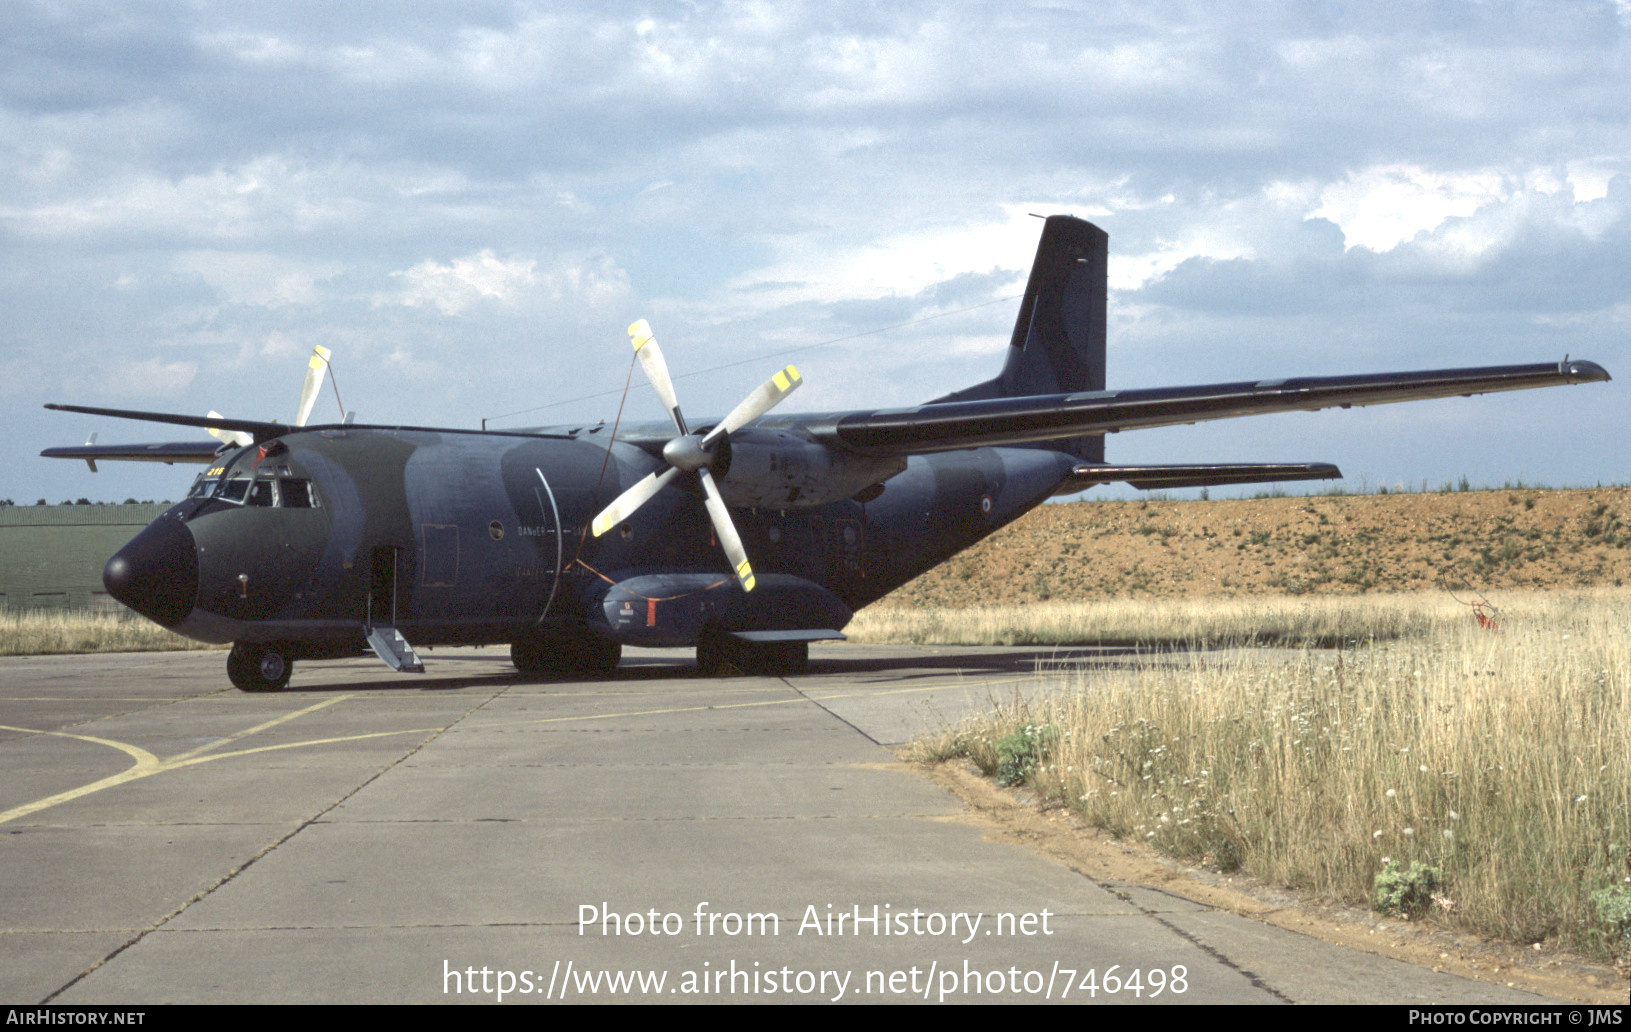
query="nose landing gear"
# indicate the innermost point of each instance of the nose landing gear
(258, 668)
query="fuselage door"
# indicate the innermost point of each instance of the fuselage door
(439, 551)
(386, 600)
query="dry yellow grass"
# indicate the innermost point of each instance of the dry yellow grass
(1264, 620)
(38, 632)
(1500, 759)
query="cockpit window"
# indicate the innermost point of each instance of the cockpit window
(297, 493)
(262, 493)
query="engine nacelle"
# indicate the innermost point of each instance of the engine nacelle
(778, 469)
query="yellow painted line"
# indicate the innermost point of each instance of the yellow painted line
(136, 752)
(777, 702)
(258, 728)
(171, 765)
(993, 683)
(147, 764)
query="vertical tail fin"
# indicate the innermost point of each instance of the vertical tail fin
(1058, 342)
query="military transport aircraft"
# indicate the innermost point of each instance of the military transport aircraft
(746, 537)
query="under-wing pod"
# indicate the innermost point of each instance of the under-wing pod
(673, 609)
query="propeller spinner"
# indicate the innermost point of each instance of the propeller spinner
(695, 454)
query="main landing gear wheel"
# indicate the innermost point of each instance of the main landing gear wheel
(722, 654)
(562, 652)
(258, 668)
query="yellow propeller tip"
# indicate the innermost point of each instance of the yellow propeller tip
(639, 333)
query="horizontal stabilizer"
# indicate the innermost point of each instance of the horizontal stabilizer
(1153, 478)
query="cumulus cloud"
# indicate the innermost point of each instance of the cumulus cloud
(453, 287)
(1383, 207)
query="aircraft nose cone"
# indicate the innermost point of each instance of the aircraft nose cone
(156, 574)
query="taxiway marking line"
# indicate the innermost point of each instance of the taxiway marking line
(274, 722)
(147, 764)
(171, 765)
(869, 693)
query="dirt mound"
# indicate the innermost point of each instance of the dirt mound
(1346, 544)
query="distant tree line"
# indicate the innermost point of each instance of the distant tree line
(86, 501)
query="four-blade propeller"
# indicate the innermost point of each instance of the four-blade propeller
(695, 454)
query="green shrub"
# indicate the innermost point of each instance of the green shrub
(1406, 891)
(1614, 913)
(1021, 752)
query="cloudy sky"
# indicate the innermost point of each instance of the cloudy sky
(469, 203)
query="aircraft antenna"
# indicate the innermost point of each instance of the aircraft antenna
(336, 385)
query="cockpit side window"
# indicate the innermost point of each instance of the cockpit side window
(233, 490)
(205, 484)
(297, 493)
(262, 493)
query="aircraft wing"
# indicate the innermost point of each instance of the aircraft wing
(169, 452)
(948, 426)
(261, 431)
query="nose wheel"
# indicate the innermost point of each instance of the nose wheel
(258, 668)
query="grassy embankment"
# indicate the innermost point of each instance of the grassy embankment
(1496, 762)
(40, 632)
(1498, 541)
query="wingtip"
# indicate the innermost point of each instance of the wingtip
(1582, 370)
